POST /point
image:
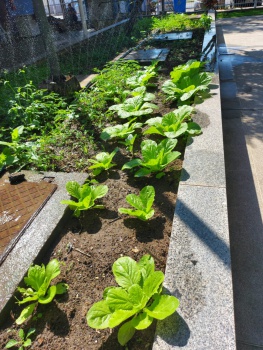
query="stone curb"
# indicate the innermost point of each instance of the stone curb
(30, 245)
(198, 269)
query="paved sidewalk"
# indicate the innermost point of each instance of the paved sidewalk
(240, 46)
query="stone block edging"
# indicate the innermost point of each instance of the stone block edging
(198, 269)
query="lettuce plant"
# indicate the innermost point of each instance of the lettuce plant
(155, 157)
(40, 291)
(24, 341)
(142, 204)
(138, 299)
(102, 161)
(120, 130)
(135, 106)
(129, 142)
(86, 196)
(173, 124)
(188, 84)
(143, 77)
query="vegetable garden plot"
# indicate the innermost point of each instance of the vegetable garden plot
(87, 248)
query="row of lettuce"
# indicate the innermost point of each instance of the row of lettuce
(42, 113)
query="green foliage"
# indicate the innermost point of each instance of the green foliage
(38, 108)
(102, 161)
(135, 106)
(142, 203)
(171, 22)
(240, 13)
(120, 130)
(142, 27)
(173, 124)
(188, 85)
(144, 77)
(205, 21)
(85, 195)
(175, 22)
(40, 291)
(111, 80)
(18, 153)
(129, 142)
(190, 69)
(109, 85)
(155, 157)
(24, 341)
(138, 299)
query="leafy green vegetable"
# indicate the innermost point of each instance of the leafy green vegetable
(120, 130)
(155, 157)
(143, 204)
(135, 106)
(143, 77)
(173, 124)
(24, 341)
(139, 296)
(102, 161)
(129, 142)
(86, 196)
(190, 69)
(188, 85)
(180, 21)
(40, 291)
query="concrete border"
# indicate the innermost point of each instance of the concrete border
(198, 269)
(29, 246)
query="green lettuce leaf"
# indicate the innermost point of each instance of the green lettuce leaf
(162, 307)
(99, 315)
(142, 321)
(26, 313)
(126, 272)
(125, 333)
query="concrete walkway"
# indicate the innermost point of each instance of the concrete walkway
(240, 46)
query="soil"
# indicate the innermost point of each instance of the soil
(87, 249)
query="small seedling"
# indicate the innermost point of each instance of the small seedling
(102, 161)
(38, 280)
(24, 341)
(129, 142)
(120, 130)
(143, 204)
(86, 196)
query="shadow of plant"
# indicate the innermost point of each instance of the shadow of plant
(146, 231)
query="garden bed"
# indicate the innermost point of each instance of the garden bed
(88, 248)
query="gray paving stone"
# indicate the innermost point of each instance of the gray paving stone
(204, 168)
(244, 176)
(198, 272)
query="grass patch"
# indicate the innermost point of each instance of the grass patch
(240, 13)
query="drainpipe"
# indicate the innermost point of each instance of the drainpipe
(83, 19)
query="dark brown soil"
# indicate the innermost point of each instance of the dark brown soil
(87, 249)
